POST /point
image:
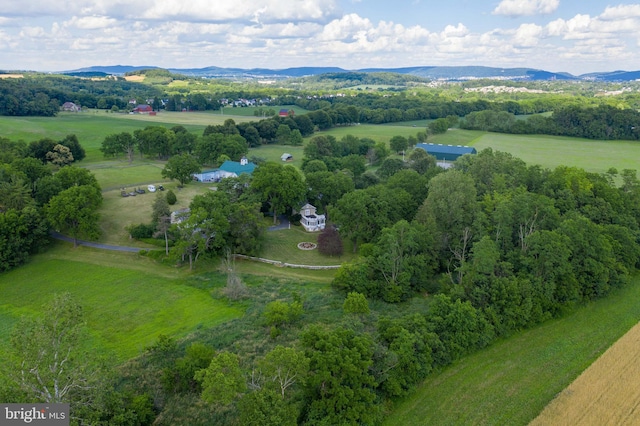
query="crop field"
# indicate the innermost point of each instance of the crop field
(511, 381)
(607, 393)
(128, 301)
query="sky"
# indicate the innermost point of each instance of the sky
(575, 36)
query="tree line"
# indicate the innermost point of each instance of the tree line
(40, 190)
(41, 95)
(602, 122)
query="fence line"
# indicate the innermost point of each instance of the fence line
(284, 264)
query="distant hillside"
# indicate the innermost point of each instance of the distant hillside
(427, 72)
(614, 76)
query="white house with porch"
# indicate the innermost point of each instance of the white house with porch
(311, 221)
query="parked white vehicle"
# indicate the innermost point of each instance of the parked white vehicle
(151, 188)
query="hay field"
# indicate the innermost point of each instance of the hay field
(607, 393)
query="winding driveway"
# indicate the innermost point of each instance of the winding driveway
(59, 236)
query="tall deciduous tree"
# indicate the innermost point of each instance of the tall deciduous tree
(283, 369)
(451, 208)
(75, 210)
(49, 364)
(118, 143)
(281, 186)
(222, 380)
(340, 386)
(181, 167)
(360, 216)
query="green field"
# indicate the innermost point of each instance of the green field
(91, 127)
(250, 111)
(283, 246)
(552, 151)
(128, 300)
(510, 382)
(379, 133)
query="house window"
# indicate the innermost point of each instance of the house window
(307, 212)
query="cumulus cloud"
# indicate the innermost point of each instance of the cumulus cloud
(262, 11)
(526, 7)
(527, 35)
(624, 11)
(90, 22)
(266, 33)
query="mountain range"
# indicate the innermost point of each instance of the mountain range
(429, 72)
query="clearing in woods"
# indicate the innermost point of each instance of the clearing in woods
(607, 393)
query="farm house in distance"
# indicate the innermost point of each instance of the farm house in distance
(446, 154)
(227, 169)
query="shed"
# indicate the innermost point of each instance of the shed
(70, 106)
(446, 152)
(286, 157)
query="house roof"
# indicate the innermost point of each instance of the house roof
(237, 168)
(446, 152)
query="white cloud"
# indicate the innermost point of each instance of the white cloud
(458, 31)
(32, 32)
(526, 7)
(527, 35)
(91, 22)
(345, 27)
(621, 12)
(192, 10)
(577, 27)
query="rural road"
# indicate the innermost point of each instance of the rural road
(59, 236)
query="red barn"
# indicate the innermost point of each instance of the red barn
(143, 109)
(286, 113)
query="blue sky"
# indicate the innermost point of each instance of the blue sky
(556, 35)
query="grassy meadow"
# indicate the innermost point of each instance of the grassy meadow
(552, 151)
(128, 300)
(510, 382)
(607, 393)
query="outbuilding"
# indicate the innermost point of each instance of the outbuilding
(227, 169)
(446, 154)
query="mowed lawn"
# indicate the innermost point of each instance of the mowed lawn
(510, 382)
(128, 301)
(552, 151)
(282, 245)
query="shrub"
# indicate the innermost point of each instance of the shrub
(280, 313)
(355, 303)
(141, 231)
(171, 197)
